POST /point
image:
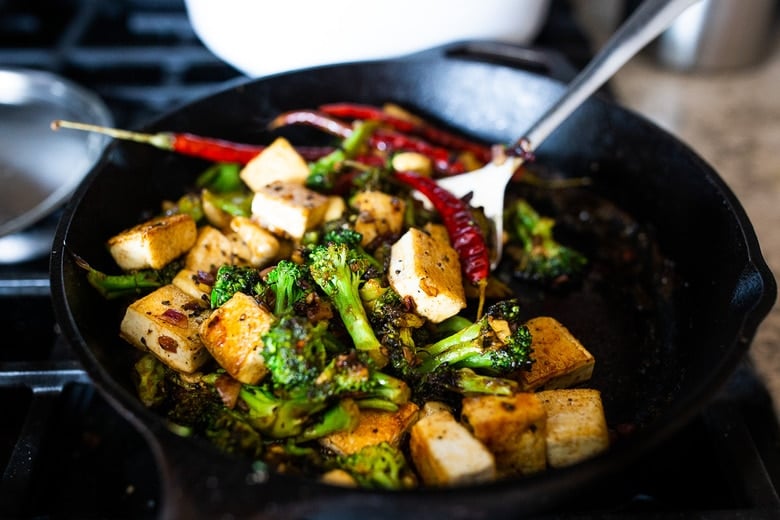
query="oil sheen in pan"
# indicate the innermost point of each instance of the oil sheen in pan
(40, 169)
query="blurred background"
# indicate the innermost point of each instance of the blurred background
(711, 80)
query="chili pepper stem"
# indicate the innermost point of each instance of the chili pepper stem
(163, 141)
(482, 286)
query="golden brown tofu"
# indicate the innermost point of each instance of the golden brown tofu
(427, 271)
(576, 426)
(166, 323)
(438, 232)
(445, 453)
(279, 162)
(211, 250)
(232, 334)
(432, 407)
(288, 209)
(378, 215)
(256, 247)
(512, 428)
(192, 284)
(560, 359)
(154, 243)
(374, 427)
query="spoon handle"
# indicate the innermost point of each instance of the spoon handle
(644, 24)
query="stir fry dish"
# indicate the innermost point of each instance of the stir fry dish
(329, 311)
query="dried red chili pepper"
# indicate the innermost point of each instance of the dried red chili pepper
(312, 118)
(432, 133)
(465, 235)
(381, 139)
(207, 148)
(442, 159)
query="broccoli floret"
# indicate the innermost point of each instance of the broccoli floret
(343, 235)
(387, 309)
(143, 281)
(445, 381)
(338, 272)
(496, 344)
(343, 416)
(231, 279)
(230, 432)
(295, 351)
(379, 466)
(396, 324)
(324, 171)
(541, 257)
(348, 236)
(346, 375)
(300, 415)
(291, 283)
(150, 380)
(196, 407)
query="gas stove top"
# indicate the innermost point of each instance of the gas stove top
(66, 453)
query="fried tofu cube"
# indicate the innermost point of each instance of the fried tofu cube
(432, 407)
(576, 426)
(560, 359)
(427, 271)
(378, 215)
(233, 336)
(211, 250)
(154, 243)
(278, 162)
(253, 245)
(288, 208)
(191, 283)
(438, 232)
(374, 427)
(512, 428)
(445, 453)
(166, 323)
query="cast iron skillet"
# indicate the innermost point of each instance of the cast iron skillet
(658, 361)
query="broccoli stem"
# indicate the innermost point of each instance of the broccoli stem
(466, 352)
(276, 417)
(379, 466)
(389, 388)
(322, 173)
(466, 382)
(467, 334)
(112, 286)
(343, 416)
(498, 343)
(331, 269)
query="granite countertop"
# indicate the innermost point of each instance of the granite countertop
(732, 120)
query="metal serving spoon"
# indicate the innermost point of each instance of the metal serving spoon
(488, 184)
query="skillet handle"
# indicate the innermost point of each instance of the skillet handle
(543, 61)
(191, 479)
(200, 483)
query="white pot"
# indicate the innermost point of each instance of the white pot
(260, 37)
